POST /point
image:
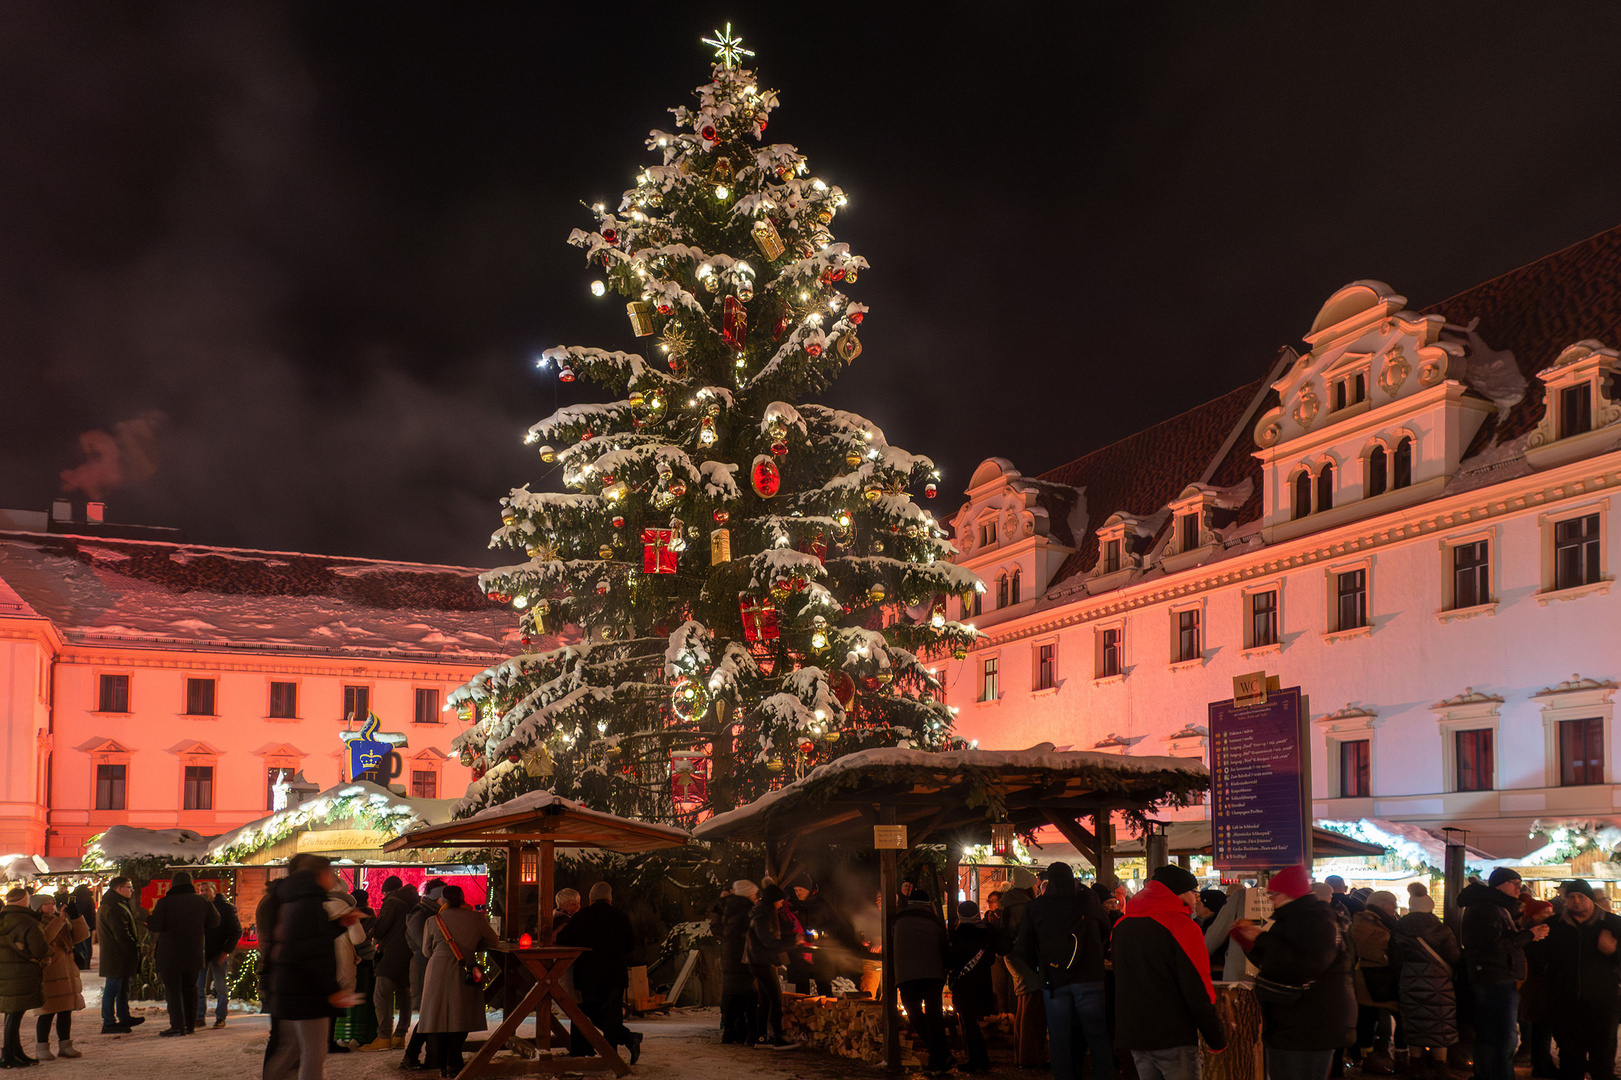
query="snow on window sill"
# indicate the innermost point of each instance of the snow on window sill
(1451, 614)
(1261, 650)
(1044, 691)
(1183, 665)
(1334, 636)
(1575, 592)
(997, 700)
(1102, 680)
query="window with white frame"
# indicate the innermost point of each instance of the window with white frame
(284, 700)
(1188, 644)
(113, 694)
(1469, 745)
(427, 705)
(1263, 623)
(1046, 665)
(1349, 736)
(1348, 598)
(1356, 768)
(1577, 734)
(990, 678)
(1111, 649)
(1573, 555)
(1471, 574)
(200, 695)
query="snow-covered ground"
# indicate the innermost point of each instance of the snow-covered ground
(685, 1044)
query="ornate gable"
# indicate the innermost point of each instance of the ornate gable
(1014, 529)
(1580, 414)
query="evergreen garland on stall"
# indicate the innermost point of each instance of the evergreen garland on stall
(746, 580)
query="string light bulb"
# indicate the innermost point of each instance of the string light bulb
(598, 289)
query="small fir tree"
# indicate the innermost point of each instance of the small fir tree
(746, 574)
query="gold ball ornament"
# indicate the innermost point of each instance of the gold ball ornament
(872, 492)
(774, 767)
(876, 593)
(548, 454)
(606, 551)
(853, 459)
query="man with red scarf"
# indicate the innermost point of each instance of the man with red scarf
(1164, 997)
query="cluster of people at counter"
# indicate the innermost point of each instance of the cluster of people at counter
(1343, 978)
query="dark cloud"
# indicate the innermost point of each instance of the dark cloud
(322, 240)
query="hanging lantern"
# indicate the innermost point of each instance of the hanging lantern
(720, 546)
(606, 551)
(1002, 839)
(565, 373)
(548, 454)
(514, 757)
(765, 478)
(528, 865)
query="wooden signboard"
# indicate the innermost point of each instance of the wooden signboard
(889, 837)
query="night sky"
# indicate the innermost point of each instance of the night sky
(285, 265)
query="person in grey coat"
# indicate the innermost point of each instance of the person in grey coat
(451, 1007)
(920, 974)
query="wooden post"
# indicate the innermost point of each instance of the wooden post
(1101, 834)
(514, 894)
(888, 886)
(543, 921)
(953, 878)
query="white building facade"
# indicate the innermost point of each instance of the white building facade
(1414, 520)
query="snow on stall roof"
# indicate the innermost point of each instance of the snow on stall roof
(156, 594)
(123, 842)
(1041, 757)
(1412, 842)
(531, 801)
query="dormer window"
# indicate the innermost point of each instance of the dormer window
(1111, 556)
(1325, 488)
(1302, 500)
(1575, 410)
(1352, 391)
(1378, 471)
(1188, 529)
(987, 534)
(1402, 470)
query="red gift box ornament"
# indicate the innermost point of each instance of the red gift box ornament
(658, 554)
(734, 322)
(759, 618)
(764, 476)
(816, 547)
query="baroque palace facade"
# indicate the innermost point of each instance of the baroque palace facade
(1411, 519)
(178, 686)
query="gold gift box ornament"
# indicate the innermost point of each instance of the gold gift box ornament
(641, 317)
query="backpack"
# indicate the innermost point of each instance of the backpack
(1059, 946)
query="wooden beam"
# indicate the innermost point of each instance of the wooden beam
(543, 923)
(1077, 834)
(888, 888)
(1100, 832)
(926, 827)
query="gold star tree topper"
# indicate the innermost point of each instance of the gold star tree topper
(728, 49)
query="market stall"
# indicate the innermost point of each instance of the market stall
(898, 799)
(530, 829)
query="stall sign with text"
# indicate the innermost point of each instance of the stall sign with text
(1258, 778)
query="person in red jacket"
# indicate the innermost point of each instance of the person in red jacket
(1164, 998)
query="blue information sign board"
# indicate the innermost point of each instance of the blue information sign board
(1258, 778)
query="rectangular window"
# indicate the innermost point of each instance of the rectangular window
(1474, 759)
(1190, 531)
(1263, 618)
(1471, 578)
(424, 784)
(977, 604)
(1046, 666)
(1359, 388)
(1188, 645)
(1109, 661)
(273, 776)
(110, 787)
(1575, 552)
(284, 700)
(1352, 606)
(356, 703)
(1339, 395)
(199, 793)
(1355, 757)
(1581, 752)
(199, 697)
(1575, 411)
(988, 688)
(987, 534)
(427, 706)
(114, 695)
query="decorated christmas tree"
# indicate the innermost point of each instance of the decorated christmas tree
(746, 578)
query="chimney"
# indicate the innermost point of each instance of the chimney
(61, 511)
(95, 513)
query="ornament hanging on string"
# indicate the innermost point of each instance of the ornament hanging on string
(844, 689)
(722, 172)
(466, 758)
(658, 552)
(706, 431)
(641, 317)
(765, 478)
(734, 322)
(720, 546)
(876, 593)
(849, 346)
(688, 700)
(767, 239)
(759, 618)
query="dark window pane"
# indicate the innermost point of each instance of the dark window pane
(1325, 489)
(356, 703)
(1471, 577)
(988, 688)
(1013, 588)
(1402, 464)
(1190, 531)
(1339, 394)
(427, 711)
(110, 787)
(1361, 390)
(199, 792)
(1575, 411)
(114, 694)
(1263, 618)
(1474, 759)
(200, 697)
(1377, 469)
(1576, 552)
(1111, 653)
(424, 784)
(1187, 635)
(1581, 751)
(1353, 600)
(1355, 758)
(1302, 505)
(1046, 667)
(1111, 556)
(284, 700)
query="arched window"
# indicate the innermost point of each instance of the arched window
(1378, 471)
(1001, 591)
(1325, 488)
(1302, 505)
(1013, 588)
(1403, 470)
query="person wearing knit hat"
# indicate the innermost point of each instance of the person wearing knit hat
(1377, 982)
(970, 962)
(1303, 980)
(729, 921)
(745, 888)
(1494, 956)
(1427, 993)
(1584, 972)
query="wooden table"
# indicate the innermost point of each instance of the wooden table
(546, 963)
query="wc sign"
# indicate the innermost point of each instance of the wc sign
(374, 756)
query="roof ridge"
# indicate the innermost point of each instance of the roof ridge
(1522, 267)
(18, 534)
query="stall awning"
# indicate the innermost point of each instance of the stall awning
(1193, 838)
(543, 816)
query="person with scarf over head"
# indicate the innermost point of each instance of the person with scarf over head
(1164, 999)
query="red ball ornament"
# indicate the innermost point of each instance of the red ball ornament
(813, 349)
(766, 479)
(806, 746)
(928, 491)
(609, 236)
(857, 316)
(844, 688)
(870, 682)
(779, 448)
(514, 757)
(722, 517)
(762, 125)
(709, 133)
(664, 307)
(619, 522)
(778, 327)
(565, 374)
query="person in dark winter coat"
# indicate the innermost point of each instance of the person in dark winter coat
(1427, 955)
(219, 943)
(393, 962)
(84, 901)
(120, 958)
(416, 924)
(815, 918)
(1164, 999)
(1030, 1012)
(22, 979)
(304, 969)
(1377, 978)
(1584, 983)
(730, 924)
(920, 974)
(1494, 956)
(181, 918)
(763, 950)
(602, 974)
(1313, 1012)
(1063, 938)
(970, 962)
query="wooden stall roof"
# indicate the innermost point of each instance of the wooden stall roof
(1193, 838)
(956, 794)
(541, 815)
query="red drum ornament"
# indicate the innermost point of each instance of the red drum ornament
(844, 688)
(766, 479)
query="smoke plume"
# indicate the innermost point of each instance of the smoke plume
(126, 455)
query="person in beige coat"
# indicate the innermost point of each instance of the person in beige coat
(450, 1006)
(64, 991)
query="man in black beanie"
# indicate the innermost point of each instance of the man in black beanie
(1584, 979)
(1494, 954)
(1063, 939)
(1164, 998)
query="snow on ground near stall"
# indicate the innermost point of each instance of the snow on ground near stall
(684, 1044)
(163, 593)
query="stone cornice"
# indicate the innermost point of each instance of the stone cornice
(1511, 497)
(201, 662)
